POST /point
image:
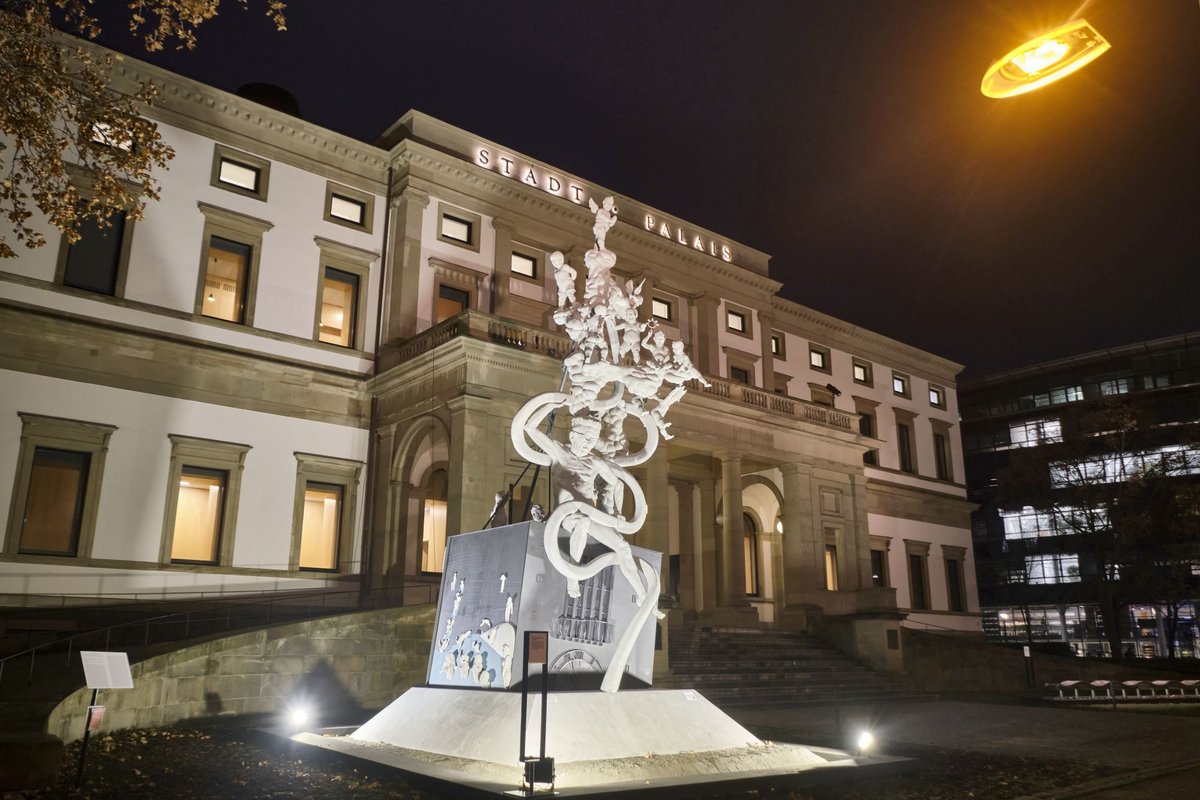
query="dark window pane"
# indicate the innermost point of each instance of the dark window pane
(54, 504)
(954, 584)
(904, 443)
(916, 579)
(878, 568)
(93, 260)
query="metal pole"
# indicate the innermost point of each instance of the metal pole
(544, 687)
(32, 659)
(87, 734)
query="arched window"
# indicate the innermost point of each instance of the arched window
(433, 522)
(751, 554)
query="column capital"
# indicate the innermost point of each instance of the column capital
(503, 225)
(725, 456)
(414, 196)
(467, 402)
(796, 468)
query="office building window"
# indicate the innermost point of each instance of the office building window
(750, 554)
(60, 464)
(229, 265)
(861, 371)
(777, 345)
(1056, 568)
(459, 227)
(1032, 432)
(433, 522)
(96, 262)
(326, 490)
(900, 384)
(819, 359)
(941, 457)
(1161, 381)
(740, 375)
(349, 207)
(904, 446)
(524, 265)
(879, 575)
(1115, 386)
(240, 172)
(736, 321)
(451, 301)
(203, 486)
(662, 309)
(937, 396)
(339, 307)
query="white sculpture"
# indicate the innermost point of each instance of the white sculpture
(616, 369)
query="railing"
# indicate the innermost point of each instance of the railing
(223, 616)
(532, 339)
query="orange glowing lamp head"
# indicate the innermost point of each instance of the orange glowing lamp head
(1044, 59)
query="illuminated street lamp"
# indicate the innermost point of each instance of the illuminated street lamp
(1044, 59)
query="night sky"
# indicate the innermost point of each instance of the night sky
(846, 138)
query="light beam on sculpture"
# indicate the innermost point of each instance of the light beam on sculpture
(1044, 59)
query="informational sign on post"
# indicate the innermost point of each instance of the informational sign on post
(539, 647)
(104, 670)
(95, 717)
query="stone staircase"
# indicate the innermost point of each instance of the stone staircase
(746, 667)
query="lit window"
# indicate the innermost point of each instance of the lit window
(59, 468)
(451, 302)
(735, 321)
(861, 371)
(433, 523)
(661, 309)
(1057, 568)
(225, 280)
(1115, 386)
(937, 396)
(107, 135)
(321, 530)
(348, 209)
(818, 358)
(777, 345)
(1032, 432)
(524, 265)
(1156, 381)
(94, 262)
(199, 512)
(459, 230)
(831, 567)
(900, 384)
(239, 172)
(750, 554)
(339, 307)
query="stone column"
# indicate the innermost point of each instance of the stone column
(687, 547)
(707, 599)
(706, 349)
(501, 266)
(401, 293)
(654, 535)
(378, 543)
(731, 585)
(858, 535)
(469, 496)
(803, 568)
(766, 324)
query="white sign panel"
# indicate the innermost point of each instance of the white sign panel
(106, 670)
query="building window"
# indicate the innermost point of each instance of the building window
(1156, 381)
(818, 358)
(941, 456)
(736, 321)
(904, 446)
(1032, 432)
(662, 309)
(229, 265)
(918, 582)
(955, 594)
(750, 543)
(98, 260)
(524, 265)
(739, 375)
(832, 567)
(866, 427)
(1057, 568)
(879, 575)
(451, 302)
(861, 371)
(777, 345)
(1115, 386)
(203, 487)
(326, 490)
(339, 308)
(433, 522)
(900, 384)
(240, 172)
(459, 227)
(349, 207)
(59, 468)
(937, 396)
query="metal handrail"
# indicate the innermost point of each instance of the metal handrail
(186, 618)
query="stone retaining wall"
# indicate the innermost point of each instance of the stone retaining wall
(946, 663)
(360, 660)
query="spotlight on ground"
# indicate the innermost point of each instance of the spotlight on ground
(299, 715)
(865, 742)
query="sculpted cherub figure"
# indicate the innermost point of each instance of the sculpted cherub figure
(606, 218)
(564, 278)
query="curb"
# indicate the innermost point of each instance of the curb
(1083, 789)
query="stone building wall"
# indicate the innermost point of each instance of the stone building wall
(359, 660)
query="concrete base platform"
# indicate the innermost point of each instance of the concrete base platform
(621, 744)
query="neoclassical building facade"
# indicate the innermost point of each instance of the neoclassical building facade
(298, 370)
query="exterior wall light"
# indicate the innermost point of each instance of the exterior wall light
(1044, 60)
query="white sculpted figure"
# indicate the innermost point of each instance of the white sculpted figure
(564, 278)
(615, 373)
